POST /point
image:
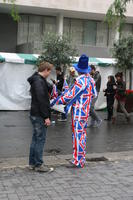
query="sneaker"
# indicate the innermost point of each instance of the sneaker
(31, 167)
(62, 120)
(43, 169)
(99, 122)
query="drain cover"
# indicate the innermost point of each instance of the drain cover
(98, 159)
(10, 126)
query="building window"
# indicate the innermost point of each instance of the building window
(35, 28)
(73, 28)
(127, 30)
(67, 27)
(102, 34)
(89, 36)
(112, 36)
(32, 28)
(49, 25)
(22, 34)
(86, 32)
(77, 31)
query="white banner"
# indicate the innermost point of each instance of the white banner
(14, 88)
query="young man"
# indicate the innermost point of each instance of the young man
(79, 97)
(39, 115)
(120, 97)
(95, 119)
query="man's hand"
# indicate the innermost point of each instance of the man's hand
(55, 82)
(47, 122)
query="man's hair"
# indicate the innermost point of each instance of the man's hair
(93, 67)
(44, 65)
(119, 74)
(58, 69)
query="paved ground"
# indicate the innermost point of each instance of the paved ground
(110, 180)
(16, 133)
(97, 181)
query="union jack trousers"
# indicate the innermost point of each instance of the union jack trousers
(80, 113)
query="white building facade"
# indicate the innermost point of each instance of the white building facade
(82, 20)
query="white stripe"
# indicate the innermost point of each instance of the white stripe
(36, 55)
(107, 60)
(81, 101)
(12, 58)
(77, 140)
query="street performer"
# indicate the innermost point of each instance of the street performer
(79, 96)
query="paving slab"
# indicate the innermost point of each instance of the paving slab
(97, 181)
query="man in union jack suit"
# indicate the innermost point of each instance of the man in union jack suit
(79, 96)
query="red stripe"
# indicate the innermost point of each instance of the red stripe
(62, 99)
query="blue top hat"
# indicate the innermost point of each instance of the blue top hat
(82, 65)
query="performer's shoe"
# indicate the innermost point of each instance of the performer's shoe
(71, 165)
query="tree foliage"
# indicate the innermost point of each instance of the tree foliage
(116, 13)
(14, 11)
(123, 52)
(57, 50)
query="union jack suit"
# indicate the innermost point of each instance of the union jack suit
(80, 112)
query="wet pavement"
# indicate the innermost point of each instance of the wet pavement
(16, 133)
(97, 181)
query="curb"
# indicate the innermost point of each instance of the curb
(61, 160)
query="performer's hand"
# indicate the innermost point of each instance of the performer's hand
(47, 122)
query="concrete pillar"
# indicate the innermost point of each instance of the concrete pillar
(60, 24)
(117, 33)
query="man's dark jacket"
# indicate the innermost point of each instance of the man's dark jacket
(40, 104)
(97, 78)
(60, 80)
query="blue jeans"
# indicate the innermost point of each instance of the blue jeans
(93, 114)
(38, 141)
